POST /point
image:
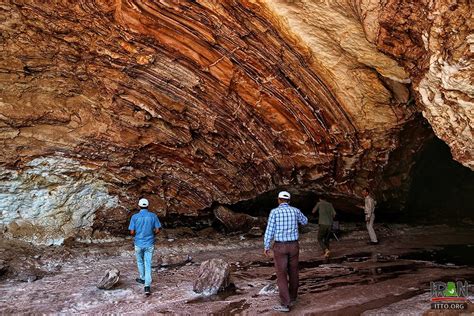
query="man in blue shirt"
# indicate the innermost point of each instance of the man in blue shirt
(144, 225)
(283, 228)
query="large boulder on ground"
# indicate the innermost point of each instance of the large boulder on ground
(207, 232)
(234, 222)
(214, 276)
(180, 232)
(173, 260)
(109, 280)
(255, 232)
(269, 289)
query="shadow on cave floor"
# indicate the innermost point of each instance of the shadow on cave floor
(391, 277)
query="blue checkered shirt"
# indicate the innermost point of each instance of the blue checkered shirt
(283, 224)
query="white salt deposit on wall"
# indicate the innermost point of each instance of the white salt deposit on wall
(50, 199)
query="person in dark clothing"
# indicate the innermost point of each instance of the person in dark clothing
(326, 217)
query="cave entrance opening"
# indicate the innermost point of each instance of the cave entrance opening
(441, 190)
(305, 200)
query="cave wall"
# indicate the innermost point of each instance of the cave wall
(433, 40)
(194, 103)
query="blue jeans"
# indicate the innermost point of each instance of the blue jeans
(144, 256)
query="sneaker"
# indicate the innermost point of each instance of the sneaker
(147, 290)
(373, 243)
(281, 308)
(141, 281)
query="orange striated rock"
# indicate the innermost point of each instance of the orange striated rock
(195, 102)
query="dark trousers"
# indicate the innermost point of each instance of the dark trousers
(323, 236)
(286, 264)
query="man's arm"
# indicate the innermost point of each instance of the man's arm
(371, 206)
(368, 209)
(157, 225)
(269, 232)
(315, 208)
(303, 220)
(131, 227)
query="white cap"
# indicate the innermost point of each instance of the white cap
(284, 195)
(143, 203)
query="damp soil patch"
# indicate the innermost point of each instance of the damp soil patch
(459, 255)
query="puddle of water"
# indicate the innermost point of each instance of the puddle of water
(448, 254)
(358, 257)
(354, 277)
(389, 269)
(355, 257)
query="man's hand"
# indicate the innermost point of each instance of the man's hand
(157, 231)
(266, 252)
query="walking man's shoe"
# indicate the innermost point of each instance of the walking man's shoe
(141, 281)
(281, 308)
(147, 290)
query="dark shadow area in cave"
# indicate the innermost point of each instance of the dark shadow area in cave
(304, 200)
(442, 190)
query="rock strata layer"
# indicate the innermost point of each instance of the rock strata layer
(202, 102)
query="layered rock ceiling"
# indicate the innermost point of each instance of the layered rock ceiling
(191, 103)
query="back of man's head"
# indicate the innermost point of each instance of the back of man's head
(284, 197)
(143, 203)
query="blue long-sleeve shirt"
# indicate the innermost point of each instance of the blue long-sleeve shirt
(283, 224)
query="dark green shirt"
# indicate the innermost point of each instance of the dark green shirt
(326, 212)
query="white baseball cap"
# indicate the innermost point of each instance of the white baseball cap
(143, 203)
(284, 195)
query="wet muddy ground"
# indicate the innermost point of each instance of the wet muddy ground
(390, 278)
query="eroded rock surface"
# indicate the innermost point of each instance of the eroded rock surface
(237, 222)
(434, 41)
(214, 276)
(202, 102)
(111, 277)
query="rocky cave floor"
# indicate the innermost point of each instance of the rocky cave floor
(390, 278)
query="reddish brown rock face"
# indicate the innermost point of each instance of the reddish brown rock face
(190, 103)
(434, 41)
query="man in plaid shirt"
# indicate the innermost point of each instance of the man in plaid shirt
(283, 228)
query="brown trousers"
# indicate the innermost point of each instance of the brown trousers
(286, 256)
